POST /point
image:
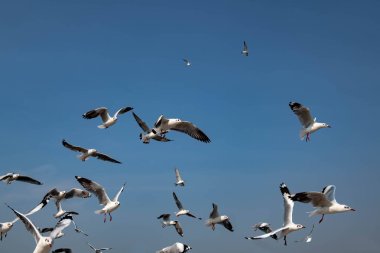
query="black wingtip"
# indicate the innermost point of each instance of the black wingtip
(284, 189)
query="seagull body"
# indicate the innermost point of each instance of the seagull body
(324, 201)
(182, 211)
(164, 125)
(309, 125)
(87, 153)
(10, 177)
(178, 178)
(245, 49)
(148, 132)
(98, 250)
(175, 248)
(215, 218)
(187, 62)
(100, 192)
(167, 222)
(106, 118)
(288, 225)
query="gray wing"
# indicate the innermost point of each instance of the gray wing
(178, 228)
(177, 202)
(161, 121)
(123, 110)
(102, 111)
(317, 199)
(303, 114)
(191, 130)
(61, 225)
(329, 192)
(64, 250)
(214, 213)
(92, 247)
(28, 180)
(164, 216)
(104, 157)
(227, 224)
(95, 188)
(104, 249)
(119, 192)
(45, 230)
(75, 192)
(141, 123)
(245, 47)
(72, 147)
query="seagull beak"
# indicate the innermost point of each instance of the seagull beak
(328, 126)
(352, 209)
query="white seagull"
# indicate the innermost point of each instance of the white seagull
(106, 118)
(187, 62)
(309, 125)
(98, 250)
(10, 177)
(182, 211)
(324, 201)
(148, 132)
(178, 179)
(164, 125)
(43, 243)
(5, 227)
(167, 222)
(175, 248)
(216, 218)
(288, 225)
(100, 192)
(86, 153)
(245, 49)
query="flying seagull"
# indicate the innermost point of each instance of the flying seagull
(5, 227)
(245, 49)
(148, 132)
(288, 226)
(167, 222)
(66, 216)
(106, 118)
(187, 62)
(164, 125)
(10, 177)
(216, 218)
(100, 192)
(43, 243)
(178, 179)
(324, 201)
(64, 250)
(182, 211)
(86, 153)
(309, 125)
(98, 250)
(308, 237)
(264, 227)
(175, 248)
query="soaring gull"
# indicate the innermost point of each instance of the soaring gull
(10, 177)
(245, 49)
(167, 222)
(182, 211)
(178, 179)
(216, 218)
(149, 133)
(106, 118)
(187, 62)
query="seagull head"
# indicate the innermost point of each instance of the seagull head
(224, 217)
(326, 125)
(347, 208)
(49, 242)
(186, 248)
(299, 226)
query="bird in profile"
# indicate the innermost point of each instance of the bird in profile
(167, 222)
(245, 49)
(177, 247)
(187, 62)
(182, 211)
(87, 153)
(324, 202)
(149, 133)
(178, 179)
(216, 218)
(10, 177)
(100, 250)
(106, 118)
(309, 125)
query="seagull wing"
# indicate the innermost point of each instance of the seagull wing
(317, 199)
(118, 193)
(104, 157)
(192, 215)
(92, 247)
(72, 147)
(102, 111)
(178, 228)
(190, 129)
(288, 205)
(95, 188)
(28, 180)
(303, 114)
(28, 225)
(63, 223)
(161, 138)
(329, 192)
(267, 234)
(177, 175)
(214, 213)
(177, 202)
(4, 177)
(227, 224)
(75, 192)
(141, 123)
(45, 200)
(123, 110)
(164, 216)
(161, 121)
(104, 249)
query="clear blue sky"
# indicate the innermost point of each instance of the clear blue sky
(59, 59)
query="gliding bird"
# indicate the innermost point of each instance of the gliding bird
(106, 118)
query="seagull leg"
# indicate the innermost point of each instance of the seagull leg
(213, 227)
(321, 218)
(285, 243)
(105, 217)
(1, 236)
(110, 216)
(307, 137)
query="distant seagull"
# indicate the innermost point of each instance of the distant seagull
(182, 211)
(288, 226)
(178, 179)
(167, 222)
(215, 218)
(5, 227)
(264, 227)
(60, 196)
(148, 132)
(43, 243)
(86, 153)
(324, 201)
(100, 192)
(187, 62)
(103, 112)
(10, 177)
(163, 125)
(98, 250)
(64, 250)
(308, 237)
(309, 124)
(245, 49)
(175, 248)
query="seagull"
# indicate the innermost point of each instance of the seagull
(98, 250)
(10, 177)
(182, 211)
(308, 237)
(149, 133)
(60, 196)
(167, 222)
(175, 248)
(68, 216)
(324, 201)
(309, 124)
(264, 227)
(5, 227)
(288, 226)
(187, 62)
(64, 250)
(245, 49)
(178, 179)
(86, 153)
(100, 192)
(215, 218)
(43, 243)
(106, 118)
(164, 125)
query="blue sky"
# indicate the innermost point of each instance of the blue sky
(59, 59)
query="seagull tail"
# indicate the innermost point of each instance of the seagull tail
(101, 126)
(99, 211)
(302, 134)
(313, 213)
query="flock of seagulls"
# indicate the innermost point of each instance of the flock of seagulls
(324, 201)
